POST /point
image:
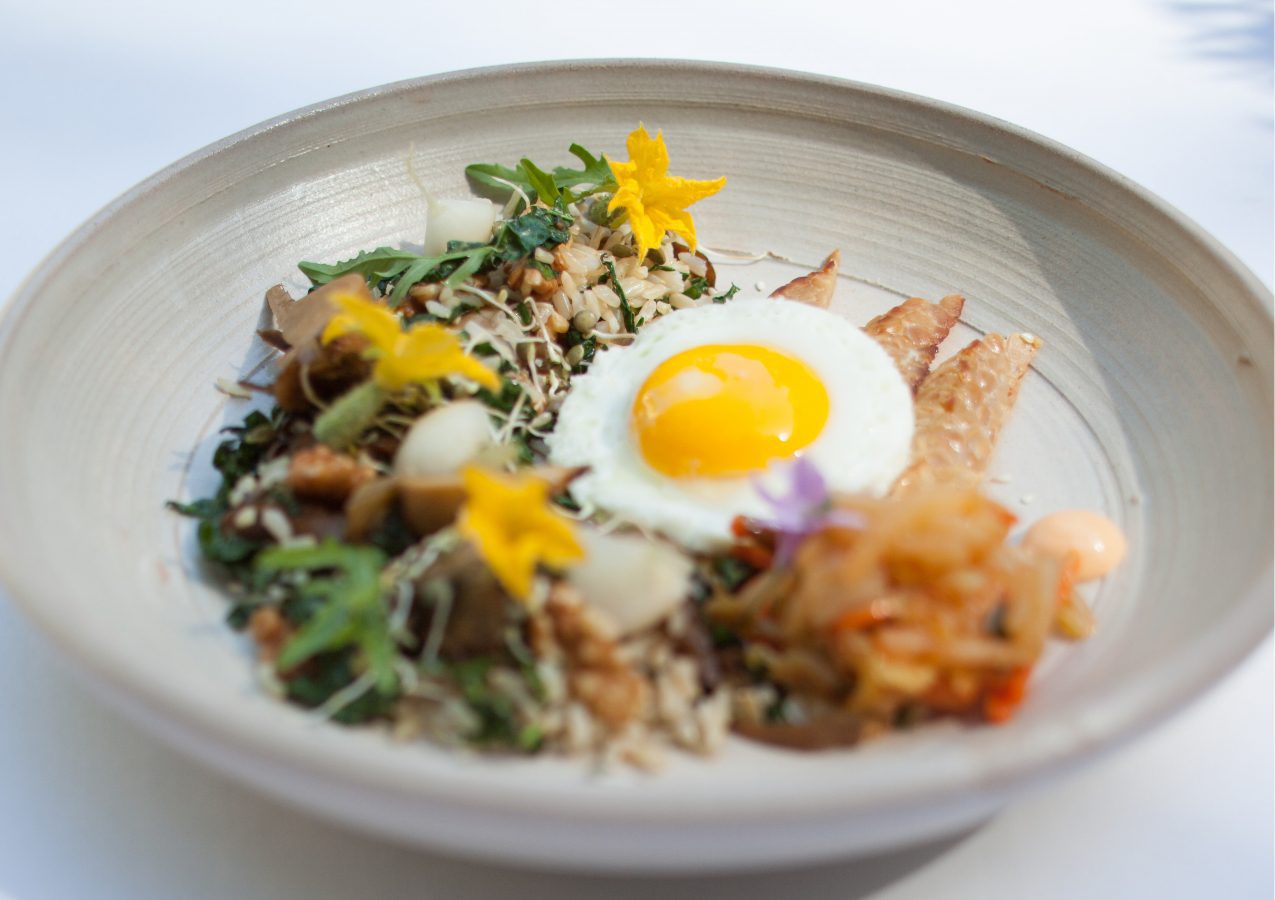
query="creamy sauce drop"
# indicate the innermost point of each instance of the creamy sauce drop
(1097, 542)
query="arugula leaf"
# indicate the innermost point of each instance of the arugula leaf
(381, 264)
(493, 176)
(514, 239)
(541, 182)
(596, 175)
(596, 172)
(352, 613)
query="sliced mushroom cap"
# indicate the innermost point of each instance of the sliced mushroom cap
(300, 324)
(430, 503)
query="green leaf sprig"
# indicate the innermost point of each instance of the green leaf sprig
(350, 609)
(595, 177)
(514, 239)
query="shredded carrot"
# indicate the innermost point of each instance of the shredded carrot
(756, 556)
(1000, 702)
(862, 617)
(1008, 519)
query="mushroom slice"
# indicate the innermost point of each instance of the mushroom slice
(301, 322)
(912, 331)
(817, 288)
(428, 503)
(960, 408)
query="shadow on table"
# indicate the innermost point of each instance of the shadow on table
(845, 880)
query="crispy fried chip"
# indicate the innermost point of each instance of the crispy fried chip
(912, 331)
(960, 408)
(816, 288)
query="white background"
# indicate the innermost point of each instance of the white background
(94, 97)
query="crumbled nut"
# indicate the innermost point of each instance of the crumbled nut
(615, 695)
(321, 474)
(269, 629)
(598, 675)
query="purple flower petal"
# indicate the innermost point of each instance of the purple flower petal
(801, 511)
(808, 485)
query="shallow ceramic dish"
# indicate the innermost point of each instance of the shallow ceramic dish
(1152, 401)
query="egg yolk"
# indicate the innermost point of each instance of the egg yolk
(727, 410)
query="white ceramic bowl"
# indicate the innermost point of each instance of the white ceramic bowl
(1152, 401)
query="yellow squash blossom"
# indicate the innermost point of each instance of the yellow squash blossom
(426, 352)
(654, 200)
(509, 520)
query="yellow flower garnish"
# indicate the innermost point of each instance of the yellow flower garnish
(426, 352)
(511, 523)
(654, 200)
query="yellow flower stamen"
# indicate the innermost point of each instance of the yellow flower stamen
(425, 352)
(654, 200)
(510, 521)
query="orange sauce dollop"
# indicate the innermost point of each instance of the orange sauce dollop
(1097, 542)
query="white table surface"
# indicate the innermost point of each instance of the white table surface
(94, 97)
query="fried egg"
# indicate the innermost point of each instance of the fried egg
(679, 427)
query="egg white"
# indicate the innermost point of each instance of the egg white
(863, 447)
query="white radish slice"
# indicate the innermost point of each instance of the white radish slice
(633, 581)
(444, 439)
(469, 220)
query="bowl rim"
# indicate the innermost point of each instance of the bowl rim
(1130, 708)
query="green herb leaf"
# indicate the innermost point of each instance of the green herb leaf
(595, 176)
(626, 311)
(381, 264)
(521, 236)
(504, 401)
(346, 580)
(541, 182)
(695, 287)
(596, 173)
(722, 298)
(493, 176)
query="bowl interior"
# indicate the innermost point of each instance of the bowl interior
(1151, 399)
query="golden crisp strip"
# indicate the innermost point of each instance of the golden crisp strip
(960, 408)
(816, 288)
(912, 331)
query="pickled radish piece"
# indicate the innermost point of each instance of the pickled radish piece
(468, 220)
